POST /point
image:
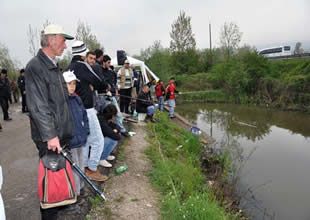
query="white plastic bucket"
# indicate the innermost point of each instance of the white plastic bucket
(2, 213)
(141, 116)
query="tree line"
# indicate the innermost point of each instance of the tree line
(238, 71)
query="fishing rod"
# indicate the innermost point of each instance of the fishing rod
(153, 101)
(81, 173)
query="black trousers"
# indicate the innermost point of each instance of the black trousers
(24, 104)
(125, 98)
(4, 102)
(49, 214)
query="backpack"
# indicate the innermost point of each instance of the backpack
(56, 186)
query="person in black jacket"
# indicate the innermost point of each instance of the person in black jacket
(145, 104)
(111, 78)
(4, 94)
(111, 133)
(47, 95)
(22, 89)
(80, 127)
(88, 82)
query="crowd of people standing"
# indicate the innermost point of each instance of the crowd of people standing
(81, 109)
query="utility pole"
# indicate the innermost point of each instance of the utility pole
(210, 36)
(210, 43)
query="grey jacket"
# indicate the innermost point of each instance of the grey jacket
(47, 96)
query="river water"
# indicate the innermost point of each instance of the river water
(274, 150)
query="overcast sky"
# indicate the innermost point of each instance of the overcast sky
(132, 25)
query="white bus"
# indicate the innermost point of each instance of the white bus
(276, 51)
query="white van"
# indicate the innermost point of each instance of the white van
(2, 214)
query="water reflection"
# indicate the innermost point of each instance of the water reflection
(250, 122)
(271, 150)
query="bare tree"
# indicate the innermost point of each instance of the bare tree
(83, 33)
(32, 40)
(230, 38)
(182, 37)
(298, 49)
(47, 22)
(34, 36)
(149, 52)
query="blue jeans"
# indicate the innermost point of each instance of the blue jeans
(119, 116)
(109, 145)
(150, 110)
(95, 140)
(77, 157)
(161, 103)
(171, 103)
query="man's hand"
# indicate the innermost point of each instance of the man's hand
(91, 87)
(54, 145)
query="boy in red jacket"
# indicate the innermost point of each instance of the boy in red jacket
(160, 92)
(170, 96)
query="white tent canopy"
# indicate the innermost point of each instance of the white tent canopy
(147, 74)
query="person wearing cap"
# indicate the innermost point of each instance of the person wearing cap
(125, 75)
(47, 95)
(89, 81)
(22, 89)
(80, 127)
(5, 94)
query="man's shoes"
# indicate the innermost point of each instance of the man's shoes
(125, 134)
(8, 119)
(105, 163)
(150, 118)
(111, 157)
(153, 120)
(172, 116)
(95, 175)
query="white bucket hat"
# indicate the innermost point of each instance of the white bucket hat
(79, 48)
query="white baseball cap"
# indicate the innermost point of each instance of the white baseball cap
(69, 76)
(56, 29)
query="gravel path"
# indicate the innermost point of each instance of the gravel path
(131, 195)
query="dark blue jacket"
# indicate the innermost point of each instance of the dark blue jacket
(80, 122)
(87, 78)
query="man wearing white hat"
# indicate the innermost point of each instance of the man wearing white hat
(89, 81)
(46, 96)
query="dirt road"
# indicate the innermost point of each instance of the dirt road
(18, 158)
(130, 195)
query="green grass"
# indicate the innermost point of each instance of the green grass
(177, 175)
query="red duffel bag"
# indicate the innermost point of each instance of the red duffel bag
(56, 186)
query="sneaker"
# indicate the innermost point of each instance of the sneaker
(111, 157)
(8, 119)
(125, 134)
(95, 175)
(104, 163)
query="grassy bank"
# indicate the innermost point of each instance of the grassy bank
(175, 154)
